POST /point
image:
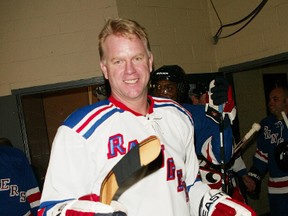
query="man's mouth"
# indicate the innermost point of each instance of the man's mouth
(133, 81)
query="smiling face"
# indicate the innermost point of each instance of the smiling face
(127, 64)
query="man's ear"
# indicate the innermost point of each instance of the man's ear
(104, 69)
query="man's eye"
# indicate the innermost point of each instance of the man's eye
(115, 62)
(138, 58)
(275, 99)
(158, 87)
(171, 88)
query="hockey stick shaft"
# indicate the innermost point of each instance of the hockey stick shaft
(243, 142)
(222, 149)
(285, 118)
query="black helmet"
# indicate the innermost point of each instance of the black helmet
(281, 156)
(199, 90)
(172, 73)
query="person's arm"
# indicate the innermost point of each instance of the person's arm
(221, 111)
(240, 169)
(260, 164)
(260, 158)
(207, 136)
(70, 177)
(33, 193)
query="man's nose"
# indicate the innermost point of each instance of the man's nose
(130, 68)
(162, 90)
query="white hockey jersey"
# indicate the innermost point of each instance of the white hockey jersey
(94, 138)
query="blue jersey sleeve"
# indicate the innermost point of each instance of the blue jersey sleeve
(207, 131)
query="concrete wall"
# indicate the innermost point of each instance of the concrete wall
(45, 42)
(179, 31)
(266, 35)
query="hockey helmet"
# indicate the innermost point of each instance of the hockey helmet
(172, 73)
(281, 156)
(199, 90)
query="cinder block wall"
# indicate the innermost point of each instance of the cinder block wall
(179, 30)
(266, 35)
(45, 42)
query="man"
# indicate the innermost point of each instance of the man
(273, 134)
(169, 81)
(19, 191)
(95, 138)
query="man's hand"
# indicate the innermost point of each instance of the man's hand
(86, 205)
(218, 91)
(249, 183)
(255, 176)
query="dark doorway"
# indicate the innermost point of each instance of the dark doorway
(42, 110)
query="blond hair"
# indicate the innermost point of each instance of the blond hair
(122, 27)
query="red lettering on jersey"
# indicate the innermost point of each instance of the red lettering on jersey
(170, 169)
(4, 184)
(115, 146)
(182, 184)
(14, 190)
(132, 144)
(180, 181)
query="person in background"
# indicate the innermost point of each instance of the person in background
(198, 95)
(93, 139)
(169, 81)
(271, 154)
(19, 191)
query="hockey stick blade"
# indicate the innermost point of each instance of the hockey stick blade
(140, 161)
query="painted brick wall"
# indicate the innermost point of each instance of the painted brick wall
(44, 42)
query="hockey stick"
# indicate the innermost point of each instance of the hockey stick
(285, 118)
(219, 108)
(140, 161)
(222, 149)
(243, 142)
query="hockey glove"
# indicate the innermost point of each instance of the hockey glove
(218, 89)
(255, 175)
(217, 203)
(86, 206)
(220, 101)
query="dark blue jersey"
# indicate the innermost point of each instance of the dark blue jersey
(19, 191)
(273, 132)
